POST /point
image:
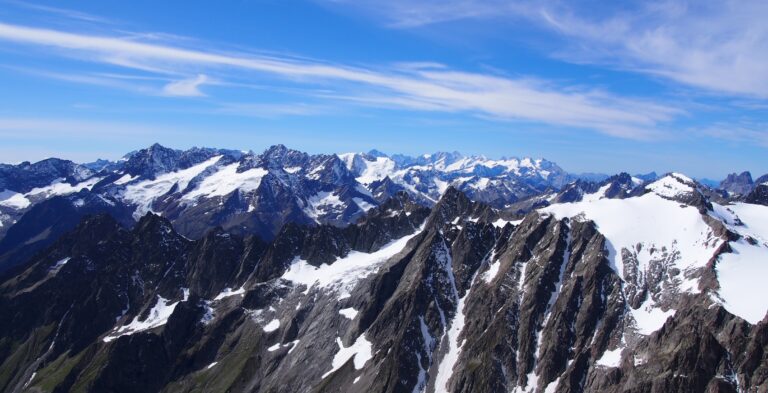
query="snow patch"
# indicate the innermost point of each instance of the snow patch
(272, 326)
(58, 265)
(59, 187)
(493, 270)
(648, 318)
(293, 345)
(16, 200)
(144, 193)
(596, 196)
(345, 272)
(226, 181)
(610, 358)
(362, 204)
(500, 223)
(61, 262)
(227, 292)
(375, 170)
(349, 313)
(445, 369)
(158, 316)
(127, 178)
(13, 199)
(552, 386)
(322, 203)
(361, 350)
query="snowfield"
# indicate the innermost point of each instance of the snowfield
(650, 224)
(158, 316)
(17, 200)
(227, 180)
(344, 273)
(361, 350)
(145, 192)
(742, 272)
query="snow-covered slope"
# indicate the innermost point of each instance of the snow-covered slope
(655, 232)
(613, 287)
(257, 193)
(497, 182)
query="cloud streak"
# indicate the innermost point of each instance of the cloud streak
(186, 88)
(425, 87)
(717, 45)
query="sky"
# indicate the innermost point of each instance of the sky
(594, 86)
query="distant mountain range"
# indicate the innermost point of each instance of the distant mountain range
(212, 270)
(249, 193)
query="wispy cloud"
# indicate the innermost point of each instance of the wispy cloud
(720, 46)
(430, 86)
(415, 14)
(271, 110)
(717, 45)
(753, 133)
(63, 12)
(186, 88)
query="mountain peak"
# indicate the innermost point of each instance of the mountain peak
(376, 153)
(738, 183)
(276, 149)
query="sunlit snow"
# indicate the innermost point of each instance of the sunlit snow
(227, 292)
(611, 358)
(349, 313)
(650, 223)
(13, 200)
(227, 180)
(145, 192)
(272, 325)
(158, 316)
(361, 350)
(648, 318)
(345, 272)
(323, 203)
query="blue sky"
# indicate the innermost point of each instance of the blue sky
(626, 86)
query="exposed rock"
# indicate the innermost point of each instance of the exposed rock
(740, 184)
(405, 299)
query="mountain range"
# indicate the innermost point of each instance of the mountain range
(218, 270)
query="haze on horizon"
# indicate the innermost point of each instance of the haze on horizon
(637, 86)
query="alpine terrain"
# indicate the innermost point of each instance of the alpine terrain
(212, 270)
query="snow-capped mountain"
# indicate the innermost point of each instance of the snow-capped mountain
(244, 192)
(496, 182)
(249, 193)
(624, 285)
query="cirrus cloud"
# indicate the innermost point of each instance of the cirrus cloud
(186, 87)
(411, 86)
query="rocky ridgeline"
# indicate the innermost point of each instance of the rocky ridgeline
(451, 297)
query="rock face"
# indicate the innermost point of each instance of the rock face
(639, 291)
(739, 184)
(242, 192)
(614, 187)
(759, 195)
(257, 194)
